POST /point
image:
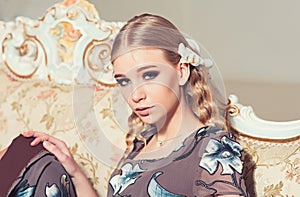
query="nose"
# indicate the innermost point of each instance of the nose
(138, 94)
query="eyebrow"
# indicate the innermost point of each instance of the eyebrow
(118, 75)
(138, 70)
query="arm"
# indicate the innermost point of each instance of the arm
(82, 185)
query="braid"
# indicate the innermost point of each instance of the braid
(201, 98)
(135, 128)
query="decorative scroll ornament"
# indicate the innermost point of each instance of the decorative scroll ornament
(244, 120)
(70, 44)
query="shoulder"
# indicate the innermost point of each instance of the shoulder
(211, 140)
(214, 136)
(207, 133)
(220, 145)
(220, 163)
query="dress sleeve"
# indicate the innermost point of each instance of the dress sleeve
(220, 167)
(54, 180)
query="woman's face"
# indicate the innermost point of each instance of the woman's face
(149, 83)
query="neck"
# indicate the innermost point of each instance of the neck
(180, 123)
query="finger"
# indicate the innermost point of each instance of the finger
(33, 134)
(65, 159)
(42, 137)
(55, 150)
(62, 146)
(39, 136)
(28, 133)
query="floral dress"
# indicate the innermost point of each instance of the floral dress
(27, 171)
(208, 162)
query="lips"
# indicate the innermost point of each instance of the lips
(143, 111)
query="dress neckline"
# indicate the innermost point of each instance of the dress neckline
(138, 144)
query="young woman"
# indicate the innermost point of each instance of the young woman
(177, 144)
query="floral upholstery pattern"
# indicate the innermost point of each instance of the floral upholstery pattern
(45, 106)
(272, 152)
(55, 77)
(275, 167)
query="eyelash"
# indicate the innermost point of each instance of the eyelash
(150, 75)
(123, 82)
(146, 76)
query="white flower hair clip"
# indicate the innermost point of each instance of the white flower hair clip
(189, 56)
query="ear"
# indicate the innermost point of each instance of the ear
(183, 70)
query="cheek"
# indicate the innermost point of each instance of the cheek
(164, 94)
(172, 88)
(125, 93)
(168, 84)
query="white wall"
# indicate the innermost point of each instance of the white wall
(255, 43)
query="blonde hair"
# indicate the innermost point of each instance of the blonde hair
(154, 31)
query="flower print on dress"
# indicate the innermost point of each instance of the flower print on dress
(226, 152)
(155, 189)
(128, 176)
(54, 190)
(23, 189)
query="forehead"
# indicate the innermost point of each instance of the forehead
(135, 58)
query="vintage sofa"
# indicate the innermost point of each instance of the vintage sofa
(55, 76)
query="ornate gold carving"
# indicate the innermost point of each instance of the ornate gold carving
(70, 40)
(67, 37)
(233, 110)
(23, 60)
(97, 63)
(72, 14)
(245, 122)
(270, 140)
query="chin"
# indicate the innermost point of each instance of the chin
(153, 120)
(147, 120)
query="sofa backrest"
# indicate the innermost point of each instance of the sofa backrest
(272, 150)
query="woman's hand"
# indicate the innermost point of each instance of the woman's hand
(57, 147)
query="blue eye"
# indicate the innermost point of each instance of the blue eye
(123, 82)
(150, 75)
